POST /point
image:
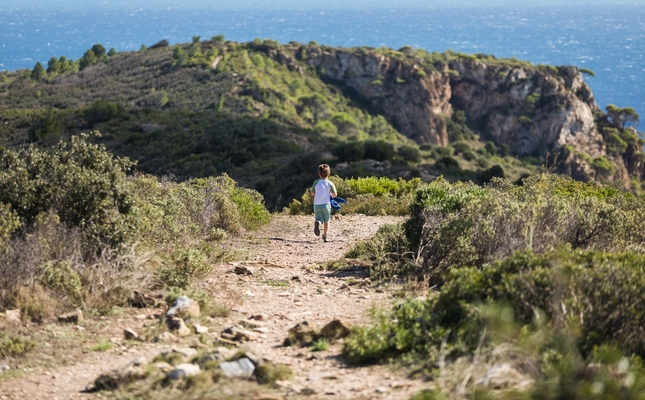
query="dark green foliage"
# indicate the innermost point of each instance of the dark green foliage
(88, 59)
(80, 182)
(101, 111)
(53, 65)
(621, 117)
(379, 150)
(349, 151)
(461, 147)
(410, 153)
(99, 51)
(491, 148)
(447, 163)
(38, 73)
(47, 128)
(112, 52)
(487, 175)
(587, 71)
(182, 267)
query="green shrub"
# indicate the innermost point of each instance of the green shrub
(80, 182)
(182, 267)
(602, 165)
(47, 128)
(447, 163)
(14, 346)
(461, 147)
(379, 150)
(101, 111)
(410, 153)
(349, 151)
(61, 278)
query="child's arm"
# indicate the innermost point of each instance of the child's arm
(332, 191)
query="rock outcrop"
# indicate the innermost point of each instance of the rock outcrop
(534, 111)
(411, 98)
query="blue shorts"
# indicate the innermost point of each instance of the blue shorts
(322, 212)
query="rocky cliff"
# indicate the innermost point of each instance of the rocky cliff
(534, 110)
(412, 99)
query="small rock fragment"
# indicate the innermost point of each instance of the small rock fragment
(112, 380)
(130, 334)
(199, 329)
(336, 329)
(73, 317)
(166, 337)
(178, 326)
(238, 334)
(243, 270)
(183, 371)
(268, 397)
(163, 366)
(251, 324)
(242, 368)
(302, 333)
(381, 390)
(184, 307)
(259, 317)
(4, 368)
(140, 299)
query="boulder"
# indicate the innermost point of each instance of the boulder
(184, 371)
(178, 327)
(302, 333)
(73, 317)
(336, 329)
(242, 368)
(13, 316)
(184, 307)
(130, 334)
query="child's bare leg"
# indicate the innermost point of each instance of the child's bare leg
(325, 228)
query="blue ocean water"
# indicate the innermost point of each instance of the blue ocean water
(610, 40)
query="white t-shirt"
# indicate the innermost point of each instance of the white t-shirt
(322, 189)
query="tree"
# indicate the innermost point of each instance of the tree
(53, 66)
(219, 39)
(112, 52)
(99, 51)
(89, 58)
(38, 73)
(196, 38)
(621, 117)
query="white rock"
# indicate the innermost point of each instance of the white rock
(183, 371)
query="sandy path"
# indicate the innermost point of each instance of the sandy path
(289, 290)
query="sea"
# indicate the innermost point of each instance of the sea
(607, 39)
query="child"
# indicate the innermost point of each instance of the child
(322, 190)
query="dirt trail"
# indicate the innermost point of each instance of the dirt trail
(288, 288)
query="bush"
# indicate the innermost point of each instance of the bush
(410, 153)
(349, 151)
(463, 224)
(14, 346)
(80, 182)
(461, 147)
(379, 150)
(182, 267)
(101, 111)
(447, 163)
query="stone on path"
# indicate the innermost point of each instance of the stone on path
(336, 329)
(243, 270)
(130, 334)
(242, 368)
(302, 333)
(184, 307)
(166, 337)
(178, 327)
(183, 371)
(200, 329)
(73, 317)
(112, 380)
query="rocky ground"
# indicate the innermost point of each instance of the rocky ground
(281, 284)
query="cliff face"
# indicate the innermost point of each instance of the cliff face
(534, 112)
(413, 100)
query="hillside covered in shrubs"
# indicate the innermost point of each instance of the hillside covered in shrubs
(267, 114)
(541, 281)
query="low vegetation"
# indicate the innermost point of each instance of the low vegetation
(548, 271)
(78, 231)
